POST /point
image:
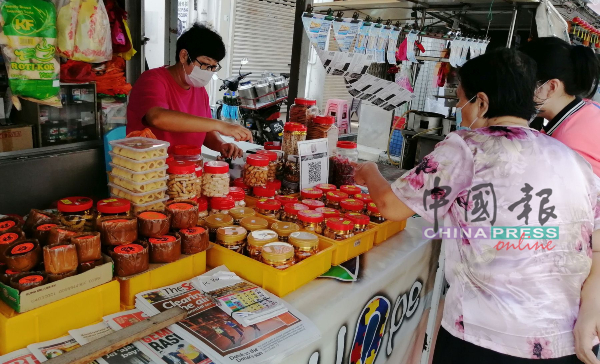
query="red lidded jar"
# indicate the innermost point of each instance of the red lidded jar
(311, 221)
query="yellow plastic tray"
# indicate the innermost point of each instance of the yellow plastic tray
(160, 275)
(278, 282)
(385, 230)
(17, 330)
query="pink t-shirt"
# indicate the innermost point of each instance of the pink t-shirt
(580, 132)
(157, 88)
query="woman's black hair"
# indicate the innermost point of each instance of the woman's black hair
(199, 40)
(507, 77)
(575, 65)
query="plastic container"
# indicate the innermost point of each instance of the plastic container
(339, 228)
(328, 213)
(361, 221)
(278, 282)
(284, 229)
(387, 229)
(278, 255)
(157, 205)
(313, 204)
(311, 221)
(139, 177)
(292, 134)
(256, 240)
(343, 161)
(285, 199)
(365, 198)
(291, 175)
(351, 190)
(135, 165)
(139, 148)
(238, 213)
(325, 187)
(303, 111)
(113, 207)
(221, 205)
(263, 192)
(77, 213)
(181, 184)
(238, 195)
(232, 238)
(215, 181)
(290, 211)
(239, 182)
(311, 193)
(275, 186)
(305, 244)
(323, 127)
(139, 187)
(351, 205)
(137, 198)
(189, 153)
(334, 198)
(274, 163)
(269, 208)
(254, 223)
(214, 222)
(256, 170)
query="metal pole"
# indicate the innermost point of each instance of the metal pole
(296, 52)
(512, 28)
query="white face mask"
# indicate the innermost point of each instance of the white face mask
(459, 117)
(198, 77)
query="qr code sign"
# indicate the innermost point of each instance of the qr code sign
(314, 171)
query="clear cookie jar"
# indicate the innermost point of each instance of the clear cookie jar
(77, 213)
(256, 170)
(215, 181)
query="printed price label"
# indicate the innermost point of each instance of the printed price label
(357, 243)
(8, 238)
(22, 248)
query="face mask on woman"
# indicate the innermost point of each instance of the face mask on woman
(459, 116)
(198, 77)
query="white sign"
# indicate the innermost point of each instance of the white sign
(314, 162)
(183, 7)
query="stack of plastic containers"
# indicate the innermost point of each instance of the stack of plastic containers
(139, 172)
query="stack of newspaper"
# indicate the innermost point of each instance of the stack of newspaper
(245, 302)
(221, 337)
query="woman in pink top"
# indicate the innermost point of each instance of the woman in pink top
(565, 74)
(173, 102)
(508, 301)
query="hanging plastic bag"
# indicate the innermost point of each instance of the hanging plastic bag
(550, 23)
(401, 52)
(67, 26)
(117, 16)
(76, 71)
(131, 52)
(28, 39)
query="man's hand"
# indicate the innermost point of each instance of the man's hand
(237, 132)
(230, 150)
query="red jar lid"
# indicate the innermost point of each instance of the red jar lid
(274, 185)
(294, 127)
(310, 216)
(294, 208)
(371, 207)
(239, 182)
(169, 159)
(272, 145)
(364, 197)
(357, 218)
(326, 187)
(222, 203)
(237, 193)
(352, 204)
(198, 172)
(307, 102)
(257, 160)
(185, 149)
(350, 189)
(286, 199)
(271, 155)
(328, 212)
(313, 204)
(344, 144)
(74, 204)
(336, 196)
(324, 120)
(339, 223)
(181, 167)
(216, 167)
(263, 192)
(202, 204)
(113, 206)
(311, 192)
(269, 204)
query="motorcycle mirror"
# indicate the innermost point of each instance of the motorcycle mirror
(244, 60)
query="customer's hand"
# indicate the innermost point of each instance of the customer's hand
(362, 171)
(237, 132)
(230, 150)
(586, 329)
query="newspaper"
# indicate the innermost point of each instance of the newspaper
(345, 31)
(385, 94)
(53, 348)
(163, 346)
(221, 337)
(23, 356)
(345, 64)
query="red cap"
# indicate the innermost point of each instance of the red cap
(222, 203)
(239, 182)
(286, 199)
(113, 205)
(324, 120)
(364, 197)
(352, 204)
(237, 193)
(311, 192)
(257, 160)
(271, 155)
(202, 203)
(269, 204)
(181, 167)
(274, 185)
(350, 189)
(263, 192)
(216, 167)
(74, 204)
(307, 102)
(294, 127)
(313, 204)
(326, 187)
(310, 216)
(371, 207)
(169, 159)
(339, 223)
(273, 145)
(344, 144)
(185, 149)
(336, 196)
(357, 218)
(294, 208)
(328, 212)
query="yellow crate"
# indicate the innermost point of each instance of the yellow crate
(278, 282)
(251, 201)
(386, 229)
(160, 275)
(17, 330)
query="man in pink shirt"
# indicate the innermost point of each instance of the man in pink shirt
(173, 102)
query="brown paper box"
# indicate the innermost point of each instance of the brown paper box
(15, 138)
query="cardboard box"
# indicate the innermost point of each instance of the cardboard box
(16, 138)
(51, 292)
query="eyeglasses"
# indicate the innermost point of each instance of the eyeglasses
(208, 67)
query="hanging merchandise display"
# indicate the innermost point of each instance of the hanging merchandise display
(360, 46)
(33, 72)
(392, 44)
(317, 28)
(117, 16)
(372, 38)
(382, 41)
(345, 30)
(411, 37)
(549, 22)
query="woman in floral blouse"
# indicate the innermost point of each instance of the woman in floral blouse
(510, 300)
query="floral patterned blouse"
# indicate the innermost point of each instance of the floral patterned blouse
(509, 298)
